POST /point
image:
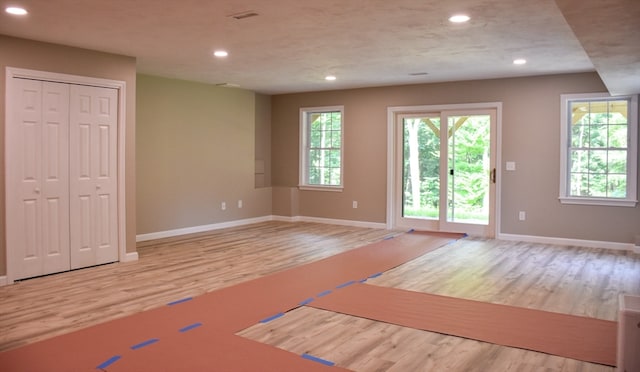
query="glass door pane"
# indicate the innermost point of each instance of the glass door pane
(469, 169)
(421, 167)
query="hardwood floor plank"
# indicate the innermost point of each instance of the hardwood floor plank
(572, 280)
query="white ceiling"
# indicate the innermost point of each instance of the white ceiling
(293, 44)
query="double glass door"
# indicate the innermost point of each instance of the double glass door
(445, 171)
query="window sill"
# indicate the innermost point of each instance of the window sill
(321, 188)
(599, 201)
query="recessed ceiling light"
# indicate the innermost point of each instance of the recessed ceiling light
(330, 78)
(459, 18)
(519, 61)
(16, 10)
(221, 53)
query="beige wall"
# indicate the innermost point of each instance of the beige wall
(33, 55)
(196, 149)
(531, 138)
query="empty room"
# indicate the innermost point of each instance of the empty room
(333, 186)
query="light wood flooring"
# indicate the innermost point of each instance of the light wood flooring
(573, 280)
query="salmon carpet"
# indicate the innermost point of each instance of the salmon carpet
(581, 338)
(198, 334)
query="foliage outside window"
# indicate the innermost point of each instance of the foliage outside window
(321, 148)
(599, 150)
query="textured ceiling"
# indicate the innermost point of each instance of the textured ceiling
(293, 44)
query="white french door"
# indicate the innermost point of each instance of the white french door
(444, 170)
(61, 177)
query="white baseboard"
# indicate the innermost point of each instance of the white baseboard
(3, 280)
(130, 256)
(574, 242)
(636, 249)
(331, 221)
(249, 221)
(202, 228)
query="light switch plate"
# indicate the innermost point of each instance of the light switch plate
(511, 165)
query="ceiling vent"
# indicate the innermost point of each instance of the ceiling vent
(244, 15)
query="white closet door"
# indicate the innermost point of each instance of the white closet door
(93, 175)
(37, 178)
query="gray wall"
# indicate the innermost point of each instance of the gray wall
(196, 149)
(531, 138)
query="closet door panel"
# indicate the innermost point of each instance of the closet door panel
(93, 170)
(37, 178)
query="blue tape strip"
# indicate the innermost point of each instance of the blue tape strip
(305, 302)
(375, 275)
(322, 294)
(143, 344)
(190, 327)
(267, 320)
(180, 301)
(109, 362)
(346, 284)
(411, 230)
(319, 360)
(363, 280)
(388, 237)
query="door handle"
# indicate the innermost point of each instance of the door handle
(493, 175)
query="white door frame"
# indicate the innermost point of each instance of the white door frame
(393, 111)
(13, 72)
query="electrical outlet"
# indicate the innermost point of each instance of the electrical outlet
(223, 206)
(355, 204)
(240, 203)
(522, 216)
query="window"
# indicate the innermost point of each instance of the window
(599, 150)
(321, 148)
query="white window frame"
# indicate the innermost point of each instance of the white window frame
(632, 152)
(304, 149)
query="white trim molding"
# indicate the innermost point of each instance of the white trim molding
(3, 281)
(198, 229)
(249, 221)
(571, 242)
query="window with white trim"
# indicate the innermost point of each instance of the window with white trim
(599, 149)
(321, 148)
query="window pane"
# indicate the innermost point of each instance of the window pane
(579, 161)
(598, 161)
(579, 112)
(617, 136)
(579, 184)
(618, 111)
(579, 136)
(598, 185)
(597, 136)
(617, 186)
(618, 162)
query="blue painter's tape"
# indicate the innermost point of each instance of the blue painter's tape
(346, 284)
(305, 302)
(319, 360)
(465, 235)
(267, 320)
(375, 275)
(411, 230)
(388, 237)
(322, 294)
(190, 327)
(363, 280)
(109, 362)
(180, 301)
(143, 344)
